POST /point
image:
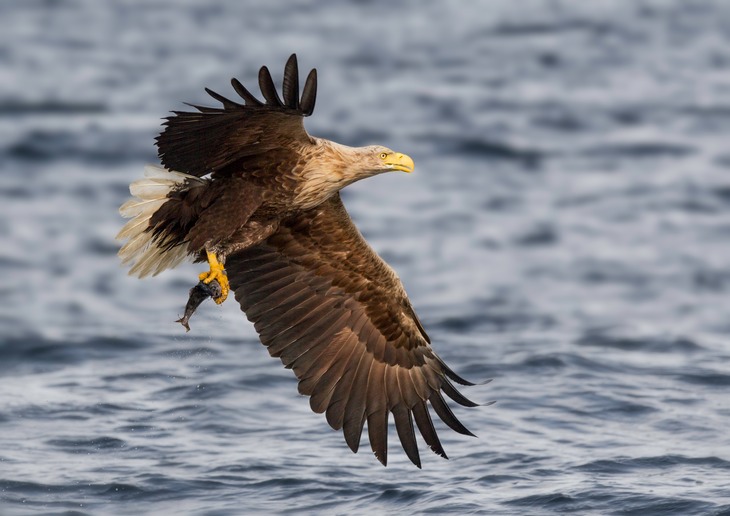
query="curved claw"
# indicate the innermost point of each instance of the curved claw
(218, 273)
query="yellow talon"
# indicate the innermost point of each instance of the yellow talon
(218, 273)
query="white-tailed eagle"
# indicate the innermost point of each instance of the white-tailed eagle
(247, 189)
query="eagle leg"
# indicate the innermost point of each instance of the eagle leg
(217, 272)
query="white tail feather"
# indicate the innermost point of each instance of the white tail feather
(132, 228)
(134, 207)
(148, 256)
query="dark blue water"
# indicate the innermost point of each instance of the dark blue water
(566, 233)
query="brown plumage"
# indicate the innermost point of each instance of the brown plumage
(253, 189)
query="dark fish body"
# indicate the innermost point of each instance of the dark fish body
(198, 294)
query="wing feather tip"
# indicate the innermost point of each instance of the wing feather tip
(290, 86)
(456, 396)
(353, 442)
(268, 89)
(247, 96)
(458, 379)
(446, 415)
(439, 452)
(309, 93)
(227, 103)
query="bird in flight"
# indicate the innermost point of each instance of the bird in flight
(246, 189)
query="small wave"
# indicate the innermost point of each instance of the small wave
(542, 234)
(18, 192)
(640, 150)
(399, 495)
(551, 361)
(618, 503)
(50, 107)
(101, 247)
(496, 150)
(32, 348)
(502, 203)
(95, 445)
(565, 360)
(604, 271)
(648, 505)
(723, 192)
(20, 488)
(496, 320)
(121, 491)
(108, 147)
(625, 464)
(711, 280)
(65, 496)
(628, 343)
(551, 500)
(497, 479)
(561, 121)
(705, 377)
(461, 324)
(556, 27)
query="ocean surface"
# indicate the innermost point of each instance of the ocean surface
(566, 233)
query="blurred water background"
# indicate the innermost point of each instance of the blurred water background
(565, 233)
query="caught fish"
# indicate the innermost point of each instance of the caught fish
(198, 294)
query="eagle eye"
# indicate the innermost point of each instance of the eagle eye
(383, 155)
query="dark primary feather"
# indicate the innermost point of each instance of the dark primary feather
(215, 140)
(268, 90)
(227, 104)
(244, 94)
(309, 94)
(333, 311)
(290, 87)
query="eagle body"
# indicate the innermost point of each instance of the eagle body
(246, 187)
(244, 207)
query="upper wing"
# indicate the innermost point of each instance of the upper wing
(325, 303)
(213, 138)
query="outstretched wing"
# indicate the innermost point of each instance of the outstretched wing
(211, 139)
(326, 304)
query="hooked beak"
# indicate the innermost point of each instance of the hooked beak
(402, 162)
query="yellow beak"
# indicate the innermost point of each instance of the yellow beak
(401, 162)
